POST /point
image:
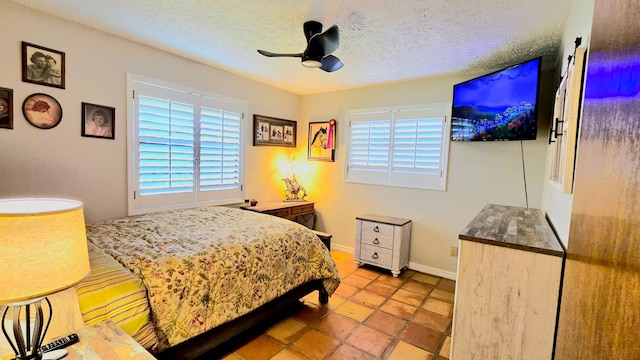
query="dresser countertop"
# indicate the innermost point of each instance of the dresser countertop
(514, 227)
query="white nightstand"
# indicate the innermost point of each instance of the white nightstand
(383, 241)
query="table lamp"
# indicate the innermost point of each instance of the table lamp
(43, 244)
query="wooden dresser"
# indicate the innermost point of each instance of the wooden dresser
(383, 241)
(507, 292)
(283, 209)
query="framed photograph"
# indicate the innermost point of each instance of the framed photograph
(42, 66)
(322, 140)
(273, 131)
(98, 121)
(42, 111)
(6, 108)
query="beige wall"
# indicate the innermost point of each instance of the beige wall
(479, 173)
(59, 162)
(555, 202)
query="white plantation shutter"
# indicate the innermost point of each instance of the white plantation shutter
(369, 145)
(419, 138)
(220, 156)
(399, 147)
(185, 148)
(166, 146)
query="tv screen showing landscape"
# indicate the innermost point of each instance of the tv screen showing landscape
(499, 106)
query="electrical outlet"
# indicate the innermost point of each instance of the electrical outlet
(454, 251)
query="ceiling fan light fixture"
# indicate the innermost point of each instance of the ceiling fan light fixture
(311, 63)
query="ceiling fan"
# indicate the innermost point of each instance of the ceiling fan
(320, 45)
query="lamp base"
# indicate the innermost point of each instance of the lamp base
(27, 338)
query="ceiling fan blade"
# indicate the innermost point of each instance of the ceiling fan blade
(270, 54)
(331, 64)
(311, 28)
(321, 45)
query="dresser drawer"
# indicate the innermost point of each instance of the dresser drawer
(283, 213)
(304, 209)
(376, 255)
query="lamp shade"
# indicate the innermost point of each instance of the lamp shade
(43, 247)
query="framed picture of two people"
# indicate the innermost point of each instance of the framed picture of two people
(43, 66)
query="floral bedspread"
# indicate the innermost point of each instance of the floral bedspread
(203, 267)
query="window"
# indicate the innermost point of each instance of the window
(406, 147)
(185, 147)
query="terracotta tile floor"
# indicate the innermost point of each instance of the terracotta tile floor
(372, 315)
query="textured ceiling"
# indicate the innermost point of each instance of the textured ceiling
(380, 40)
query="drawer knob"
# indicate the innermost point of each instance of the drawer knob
(376, 241)
(376, 229)
(375, 255)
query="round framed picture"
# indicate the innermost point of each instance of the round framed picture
(42, 111)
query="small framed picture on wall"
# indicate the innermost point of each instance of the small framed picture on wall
(273, 131)
(98, 121)
(42, 111)
(6, 108)
(322, 140)
(42, 66)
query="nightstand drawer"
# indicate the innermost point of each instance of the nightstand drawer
(376, 255)
(375, 229)
(377, 240)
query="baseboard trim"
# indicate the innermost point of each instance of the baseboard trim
(433, 271)
(346, 249)
(412, 265)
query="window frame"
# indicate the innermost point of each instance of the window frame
(135, 206)
(385, 177)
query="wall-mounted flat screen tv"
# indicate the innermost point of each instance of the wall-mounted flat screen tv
(499, 106)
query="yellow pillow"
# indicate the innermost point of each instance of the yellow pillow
(112, 292)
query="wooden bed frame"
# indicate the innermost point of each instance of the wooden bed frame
(217, 342)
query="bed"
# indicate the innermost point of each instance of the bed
(186, 282)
